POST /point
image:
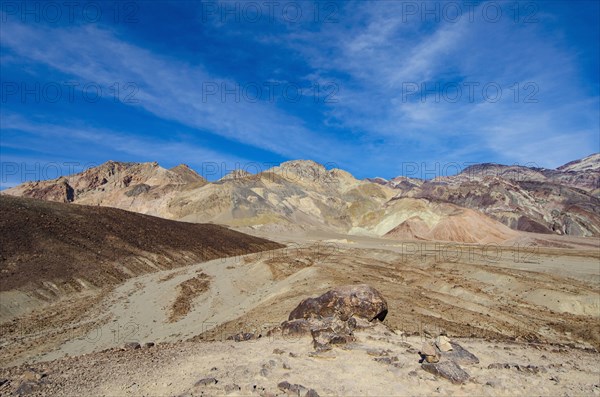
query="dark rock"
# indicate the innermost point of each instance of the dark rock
(332, 331)
(447, 370)
(278, 351)
(531, 369)
(131, 346)
(242, 337)
(295, 327)
(148, 345)
(206, 382)
(344, 302)
(311, 393)
(26, 387)
(295, 389)
(460, 355)
(386, 360)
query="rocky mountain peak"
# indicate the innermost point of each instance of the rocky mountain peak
(235, 174)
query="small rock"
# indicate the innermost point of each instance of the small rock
(131, 346)
(311, 393)
(265, 372)
(386, 360)
(26, 387)
(148, 345)
(429, 353)
(232, 387)
(447, 370)
(206, 382)
(432, 359)
(242, 337)
(295, 389)
(494, 383)
(443, 343)
(32, 375)
(286, 366)
(278, 351)
(428, 349)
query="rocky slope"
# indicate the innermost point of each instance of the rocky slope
(54, 248)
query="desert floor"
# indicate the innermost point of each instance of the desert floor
(519, 304)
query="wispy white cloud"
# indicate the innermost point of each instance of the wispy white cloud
(169, 88)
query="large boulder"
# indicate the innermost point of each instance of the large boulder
(344, 302)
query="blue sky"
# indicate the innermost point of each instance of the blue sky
(379, 88)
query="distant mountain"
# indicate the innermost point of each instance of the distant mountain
(589, 163)
(302, 194)
(561, 201)
(132, 186)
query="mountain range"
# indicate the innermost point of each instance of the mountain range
(482, 204)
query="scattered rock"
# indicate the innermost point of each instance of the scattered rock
(278, 351)
(531, 369)
(447, 370)
(242, 337)
(344, 302)
(294, 389)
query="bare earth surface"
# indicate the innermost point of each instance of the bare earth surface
(379, 363)
(519, 305)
